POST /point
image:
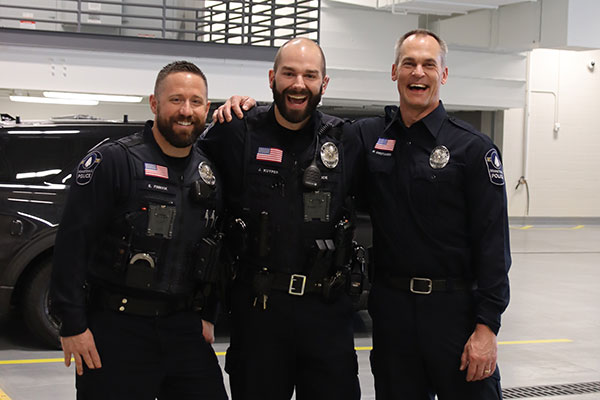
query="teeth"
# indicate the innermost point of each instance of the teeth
(184, 123)
(297, 97)
(418, 86)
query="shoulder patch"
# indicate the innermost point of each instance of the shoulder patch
(86, 167)
(494, 167)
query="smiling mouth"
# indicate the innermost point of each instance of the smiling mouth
(296, 98)
(184, 123)
(417, 87)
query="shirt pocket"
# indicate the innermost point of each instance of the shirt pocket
(432, 188)
(379, 164)
(264, 181)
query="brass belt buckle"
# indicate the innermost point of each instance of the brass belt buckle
(293, 290)
(426, 280)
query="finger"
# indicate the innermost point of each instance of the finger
(463, 361)
(88, 360)
(472, 372)
(95, 357)
(215, 115)
(78, 364)
(67, 358)
(227, 113)
(245, 103)
(209, 338)
(238, 112)
(220, 115)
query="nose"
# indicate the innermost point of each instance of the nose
(299, 82)
(186, 108)
(418, 70)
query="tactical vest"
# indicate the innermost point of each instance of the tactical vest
(154, 243)
(282, 226)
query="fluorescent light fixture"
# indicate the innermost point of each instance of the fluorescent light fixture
(45, 100)
(92, 96)
(56, 132)
(39, 174)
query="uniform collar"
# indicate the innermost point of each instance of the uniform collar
(311, 126)
(432, 121)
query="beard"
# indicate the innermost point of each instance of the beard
(296, 116)
(182, 139)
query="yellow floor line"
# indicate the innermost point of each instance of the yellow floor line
(222, 353)
(32, 361)
(367, 348)
(536, 341)
(538, 228)
(3, 396)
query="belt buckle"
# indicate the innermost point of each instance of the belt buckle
(426, 280)
(295, 278)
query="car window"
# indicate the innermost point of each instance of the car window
(34, 158)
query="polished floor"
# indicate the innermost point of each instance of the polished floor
(550, 333)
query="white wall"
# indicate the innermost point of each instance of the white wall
(561, 166)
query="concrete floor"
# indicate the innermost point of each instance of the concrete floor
(550, 333)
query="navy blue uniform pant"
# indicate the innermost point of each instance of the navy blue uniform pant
(417, 344)
(144, 358)
(297, 342)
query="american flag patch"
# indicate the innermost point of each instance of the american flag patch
(156, 170)
(385, 144)
(269, 154)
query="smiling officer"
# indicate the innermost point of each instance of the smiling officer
(131, 268)
(286, 172)
(437, 201)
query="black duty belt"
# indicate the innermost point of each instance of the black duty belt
(295, 284)
(426, 285)
(145, 307)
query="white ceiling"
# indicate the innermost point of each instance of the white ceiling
(434, 7)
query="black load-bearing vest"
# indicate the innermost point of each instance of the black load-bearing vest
(153, 243)
(275, 187)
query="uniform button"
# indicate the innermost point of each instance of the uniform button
(124, 301)
(122, 308)
(433, 176)
(409, 143)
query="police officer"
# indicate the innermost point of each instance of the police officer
(441, 249)
(130, 264)
(286, 172)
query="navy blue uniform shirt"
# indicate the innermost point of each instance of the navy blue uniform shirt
(438, 223)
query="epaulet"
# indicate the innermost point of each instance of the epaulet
(331, 126)
(462, 124)
(257, 114)
(131, 140)
(332, 120)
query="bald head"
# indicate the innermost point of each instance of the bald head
(299, 45)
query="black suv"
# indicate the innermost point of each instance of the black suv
(36, 161)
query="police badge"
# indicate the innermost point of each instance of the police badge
(206, 173)
(439, 157)
(330, 156)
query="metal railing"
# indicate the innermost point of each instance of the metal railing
(257, 23)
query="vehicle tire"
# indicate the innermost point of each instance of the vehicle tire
(36, 305)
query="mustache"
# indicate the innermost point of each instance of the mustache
(304, 92)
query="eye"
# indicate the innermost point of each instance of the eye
(197, 102)
(310, 76)
(175, 100)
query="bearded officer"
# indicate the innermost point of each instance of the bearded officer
(132, 271)
(286, 172)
